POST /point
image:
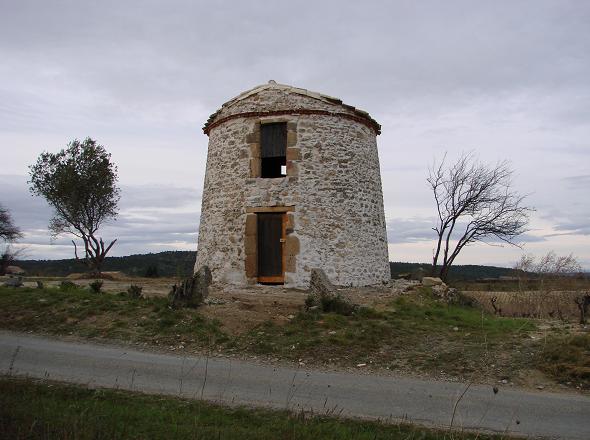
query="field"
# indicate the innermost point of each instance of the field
(531, 303)
(392, 332)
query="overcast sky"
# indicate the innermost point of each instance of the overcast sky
(506, 79)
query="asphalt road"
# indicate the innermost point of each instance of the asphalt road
(534, 414)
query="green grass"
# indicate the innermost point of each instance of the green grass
(35, 410)
(415, 331)
(78, 311)
(567, 358)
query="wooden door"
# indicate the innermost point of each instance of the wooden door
(271, 237)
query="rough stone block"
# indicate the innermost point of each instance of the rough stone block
(250, 244)
(292, 169)
(291, 245)
(291, 138)
(290, 222)
(254, 167)
(255, 151)
(253, 137)
(251, 265)
(432, 281)
(191, 292)
(319, 284)
(293, 154)
(251, 224)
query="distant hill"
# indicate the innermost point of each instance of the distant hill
(168, 264)
(467, 272)
(180, 263)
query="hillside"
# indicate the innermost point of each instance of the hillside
(180, 263)
(467, 272)
(168, 264)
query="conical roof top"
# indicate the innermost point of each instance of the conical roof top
(248, 104)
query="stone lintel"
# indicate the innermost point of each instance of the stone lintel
(270, 209)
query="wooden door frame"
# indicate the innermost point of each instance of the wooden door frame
(280, 279)
(279, 210)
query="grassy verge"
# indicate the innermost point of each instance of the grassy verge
(33, 410)
(415, 333)
(77, 311)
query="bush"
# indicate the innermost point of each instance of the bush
(152, 272)
(67, 285)
(310, 301)
(134, 291)
(96, 286)
(337, 304)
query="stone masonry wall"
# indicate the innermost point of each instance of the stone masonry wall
(332, 190)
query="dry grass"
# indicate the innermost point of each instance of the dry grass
(534, 304)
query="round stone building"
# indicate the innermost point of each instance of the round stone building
(292, 184)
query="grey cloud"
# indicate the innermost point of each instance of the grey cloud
(572, 228)
(410, 230)
(173, 53)
(578, 182)
(152, 217)
(509, 79)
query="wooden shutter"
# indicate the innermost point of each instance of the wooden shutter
(273, 140)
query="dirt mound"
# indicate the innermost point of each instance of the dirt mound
(113, 276)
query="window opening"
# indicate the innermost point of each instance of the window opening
(273, 150)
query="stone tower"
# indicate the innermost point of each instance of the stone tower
(292, 184)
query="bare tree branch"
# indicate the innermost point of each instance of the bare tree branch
(475, 203)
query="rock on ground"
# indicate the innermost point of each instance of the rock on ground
(192, 291)
(432, 281)
(319, 284)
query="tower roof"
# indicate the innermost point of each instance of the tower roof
(248, 104)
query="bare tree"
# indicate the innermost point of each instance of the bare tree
(8, 230)
(475, 203)
(547, 267)
(553, 265)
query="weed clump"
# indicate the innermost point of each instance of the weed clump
(96, 286)
(323, 296)
(330, 303)
(67, 286)
(134, 291)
